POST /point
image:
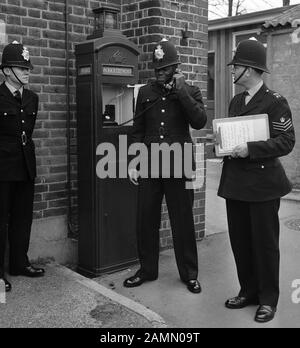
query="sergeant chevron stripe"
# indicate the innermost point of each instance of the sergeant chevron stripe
(283, 126)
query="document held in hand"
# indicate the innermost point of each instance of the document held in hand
(233, 131)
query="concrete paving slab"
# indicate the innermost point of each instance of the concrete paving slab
(169, 297)
(63, 298)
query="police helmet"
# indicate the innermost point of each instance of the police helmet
(165, 54)
(15, 55)
(251, 53)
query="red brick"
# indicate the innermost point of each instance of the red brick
(54, 212)
(13, 20)
(57, 7)
(58, 203)
(54, 151)
(39, 206)
(17, 30)
(58, 81)
(57, 186)
(54, 195)
(41, 133)
(46, 52)
(14, 10)
(58, 133)
(53, 16)
(34, 13)
(37, 23)
(58, 169)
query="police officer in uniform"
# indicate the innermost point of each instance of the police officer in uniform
(165, 109)
(18, 111)
(252, 182)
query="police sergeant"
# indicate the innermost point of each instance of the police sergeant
(253, 181)
(18, 112)
(166, 108)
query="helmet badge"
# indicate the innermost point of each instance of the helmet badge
(25, 53)
(159, 53)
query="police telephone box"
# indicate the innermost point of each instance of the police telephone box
(107, 74)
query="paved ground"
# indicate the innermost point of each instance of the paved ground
(64, 298)
(169, 298)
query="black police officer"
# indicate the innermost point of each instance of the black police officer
(168, 107)
(18, 111)
(252, 182)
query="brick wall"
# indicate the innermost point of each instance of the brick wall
(41, 26)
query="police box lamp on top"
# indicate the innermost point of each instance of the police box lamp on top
(251, 53)
(16, 55)
(105, 19)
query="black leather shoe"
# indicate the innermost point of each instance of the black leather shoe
(194, 286)
(29, 271)
(7, 284)
(240, 302)
(265, 313)
(136, 280)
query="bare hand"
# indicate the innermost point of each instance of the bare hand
(180, 80)
(133, 176)
(240, 151)
(213, 138)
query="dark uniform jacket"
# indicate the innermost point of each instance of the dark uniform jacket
(260, 176)
(17, 153)
(168, 115)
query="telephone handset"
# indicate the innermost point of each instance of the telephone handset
(172, 84)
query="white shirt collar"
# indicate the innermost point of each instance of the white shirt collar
(13, 89)
(252, 91)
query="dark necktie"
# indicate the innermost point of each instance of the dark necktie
(245, 94)
(18, 96)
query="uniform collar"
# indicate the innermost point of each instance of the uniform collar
(252, 91)
(26, 96)
(12, 89)
(252, 105)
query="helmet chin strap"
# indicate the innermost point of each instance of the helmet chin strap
(21, 83)
(242, 74)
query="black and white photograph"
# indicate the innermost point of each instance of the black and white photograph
(149, 167)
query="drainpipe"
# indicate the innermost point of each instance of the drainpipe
(69, 208)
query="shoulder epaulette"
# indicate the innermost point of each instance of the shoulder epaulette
(274, 94)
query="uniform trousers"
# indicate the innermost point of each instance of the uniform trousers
(16, 207)
(254, 236)
(180, 207)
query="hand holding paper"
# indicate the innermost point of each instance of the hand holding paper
(240, 151)
(233, 133)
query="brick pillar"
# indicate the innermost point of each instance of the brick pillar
(184, 22)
